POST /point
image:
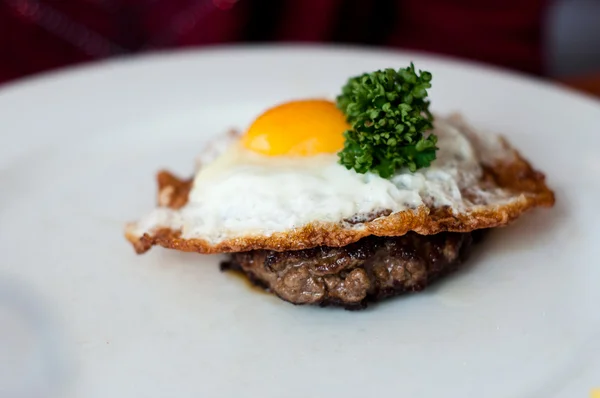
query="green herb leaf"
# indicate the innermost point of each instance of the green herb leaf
(389, 113)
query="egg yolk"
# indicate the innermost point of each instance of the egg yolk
(298, 128)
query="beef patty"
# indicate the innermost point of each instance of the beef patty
(352, 276)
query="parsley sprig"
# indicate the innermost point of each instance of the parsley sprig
(389, 113)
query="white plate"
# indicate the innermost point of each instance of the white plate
(78, 155)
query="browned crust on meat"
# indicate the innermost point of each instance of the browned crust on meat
(526, 185)
(367, 271)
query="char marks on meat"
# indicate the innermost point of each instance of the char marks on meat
(352, 276)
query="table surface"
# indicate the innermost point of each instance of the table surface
(587, 83)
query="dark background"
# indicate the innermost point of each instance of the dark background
(554, 38)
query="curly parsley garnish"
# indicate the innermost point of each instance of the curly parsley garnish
(388, 111)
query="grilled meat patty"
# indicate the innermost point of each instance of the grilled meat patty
(352, 276)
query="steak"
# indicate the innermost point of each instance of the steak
(366, 271)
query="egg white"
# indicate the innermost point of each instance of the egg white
(241, 193)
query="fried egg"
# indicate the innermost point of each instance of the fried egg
(281, 178)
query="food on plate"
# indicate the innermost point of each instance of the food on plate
(347, 202)
(374, 268)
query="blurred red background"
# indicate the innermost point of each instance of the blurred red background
(39, 35)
